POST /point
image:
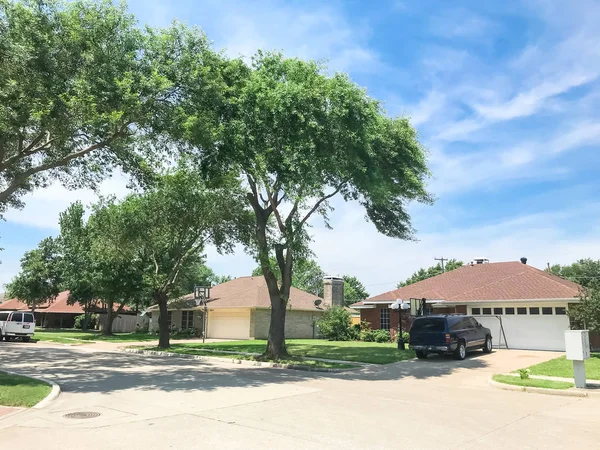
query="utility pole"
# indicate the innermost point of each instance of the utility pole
(442, 259)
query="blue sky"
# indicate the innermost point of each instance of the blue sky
(504, 96)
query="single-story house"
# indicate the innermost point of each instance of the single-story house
(241, 309)
(524, 307)
(60, 314)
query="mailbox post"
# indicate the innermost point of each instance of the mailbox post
(577, 344)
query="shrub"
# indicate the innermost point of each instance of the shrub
(382, 336)
(405, 336)
(524, 373)
(184, 334)
(335, 323)
(80, 320)
(367, 336)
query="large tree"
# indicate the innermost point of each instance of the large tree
(585, 272)
(423, 274)
(78, 89)
(307, 276)
(165, 230)
(299, 137)
(39, 279)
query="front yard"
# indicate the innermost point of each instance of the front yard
(84, 337)
(16, 390)
(562, 367)
(351, 351)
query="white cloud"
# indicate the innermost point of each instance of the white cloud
(460, 23)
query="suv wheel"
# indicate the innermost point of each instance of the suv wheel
(26, 338)
(461, 351)
(421, 354)
(487, 347)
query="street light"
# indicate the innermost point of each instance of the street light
(399, 305)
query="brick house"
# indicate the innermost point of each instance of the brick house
(241, 309)
(524, 307)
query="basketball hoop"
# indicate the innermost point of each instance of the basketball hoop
(201, 296)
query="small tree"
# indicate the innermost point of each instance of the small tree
(335, 324)
(165, 230)
(354, 290)
(39, 279)
(586, 314)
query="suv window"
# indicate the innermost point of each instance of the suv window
(3, 316)
(457, 323)
(28, 318)
(17, 317)
(472, 322)
(429, 324)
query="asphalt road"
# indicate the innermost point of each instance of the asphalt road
(148, 402)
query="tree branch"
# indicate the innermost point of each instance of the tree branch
(274, 204)
(327, 197)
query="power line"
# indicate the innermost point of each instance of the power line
(442, 259)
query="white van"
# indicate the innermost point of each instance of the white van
(15, 324)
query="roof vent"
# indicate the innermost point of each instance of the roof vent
(318, 302)
(480, 261)
(524, 260)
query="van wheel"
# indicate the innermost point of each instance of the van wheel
(461, 351)
(487, 347)
(26, 338)
(421, 354)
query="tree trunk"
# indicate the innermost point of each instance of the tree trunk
(163, 321)
(107, 331)
(276, 348)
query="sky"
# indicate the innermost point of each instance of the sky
(504, 96)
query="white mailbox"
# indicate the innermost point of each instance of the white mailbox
(577, 343)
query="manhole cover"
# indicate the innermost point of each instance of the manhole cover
(81, 415)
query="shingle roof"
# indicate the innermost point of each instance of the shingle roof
(494, 281)
(247, 292)
(60, 305)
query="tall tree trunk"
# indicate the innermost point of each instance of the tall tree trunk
(107, 331)
(276, 348)
(163, 323)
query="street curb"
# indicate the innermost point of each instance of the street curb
(559, 392)
(54, 393)
(245, 362)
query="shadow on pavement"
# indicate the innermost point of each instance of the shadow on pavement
(97, 371)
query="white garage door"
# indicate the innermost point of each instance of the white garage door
(529, 332)
(229, 324)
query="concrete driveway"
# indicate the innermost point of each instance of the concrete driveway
(150, 402)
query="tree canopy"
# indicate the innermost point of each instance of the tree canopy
(585, 272)
(307, 275)
(354, 290)
(423, 274)
(39, 279)
(298, 137)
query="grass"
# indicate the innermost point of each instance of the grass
(562, 367)
(16, 390)
(84, 337)
(186, 350)
(532, 382)
(351, 351)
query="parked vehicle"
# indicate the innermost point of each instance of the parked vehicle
(456, 334)
(14, 324)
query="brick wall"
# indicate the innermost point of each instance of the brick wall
(373, 316)
(298, 324)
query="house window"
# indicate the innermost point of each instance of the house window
(521, 310)
(497, 311)
(476, 311)
(534, 311)
(560, 310)
(509, 310)
(487, 311)
(547, 311)
(384, 318)
(187, 319)
(169, 319)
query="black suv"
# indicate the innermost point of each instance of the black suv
(448, 333)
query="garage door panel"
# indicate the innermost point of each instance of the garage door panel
(529, 332)
(232, 325)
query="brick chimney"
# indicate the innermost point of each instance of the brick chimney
(333, 291)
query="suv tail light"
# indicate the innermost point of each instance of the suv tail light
(448, 339)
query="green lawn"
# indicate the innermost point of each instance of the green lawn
(532, 382)
(83, 337)
(561, 367)
(187, 350)
(16, 390)
(351, 351)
